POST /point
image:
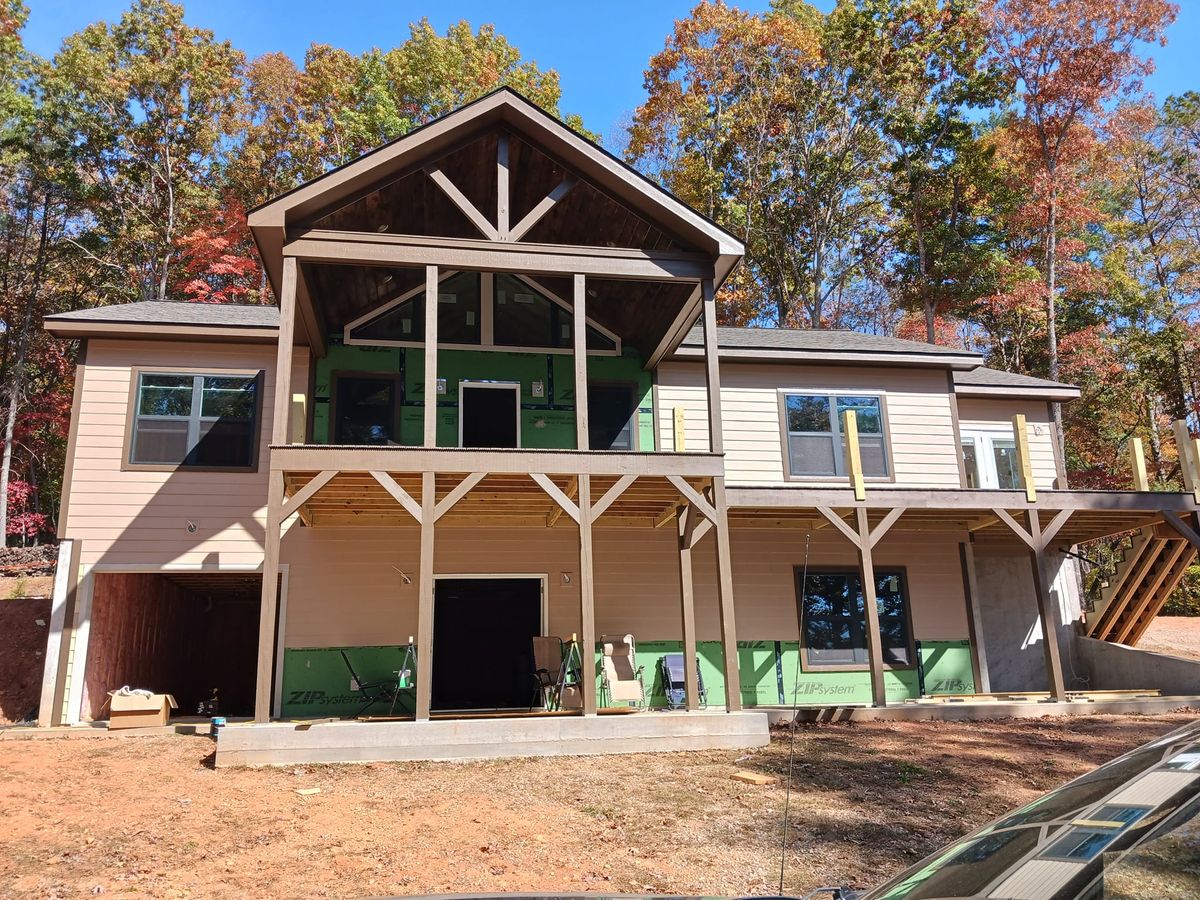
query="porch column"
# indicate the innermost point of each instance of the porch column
(425, 597)
(431, 355)
(685, 520)
(579, 325)
(281, 417)
(587, 597)
(866, 569)
(979, 666)
(716, 444)
(1046, 608)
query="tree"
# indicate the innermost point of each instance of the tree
(1068, 58)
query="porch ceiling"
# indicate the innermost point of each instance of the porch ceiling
(356, 499)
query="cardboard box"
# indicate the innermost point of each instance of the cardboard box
(133, 711)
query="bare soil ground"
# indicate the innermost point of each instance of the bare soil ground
(15, 586)
(149, 817)
(22, 655)
(1176, 635)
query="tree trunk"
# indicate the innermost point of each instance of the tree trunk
(1051, 297)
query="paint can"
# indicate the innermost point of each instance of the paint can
(216, 723)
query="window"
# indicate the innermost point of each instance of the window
(365, 410)
(458, 315)
(833, 622)
(816, 444)
(612, 417)
(201, 421)
(991, 462)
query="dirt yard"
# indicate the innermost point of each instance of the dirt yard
(150, 817)
(24, 627)
(1176, 635)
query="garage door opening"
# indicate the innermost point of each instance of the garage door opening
(185, 634)
(482, 648)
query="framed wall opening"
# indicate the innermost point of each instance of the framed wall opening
(489, 414)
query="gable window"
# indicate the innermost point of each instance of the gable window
(833, 621)
(816, 443)
(489, 311)
(991, 462)
(185, 420)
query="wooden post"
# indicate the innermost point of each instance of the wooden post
(425, 586)
(1137, 462)
(716, 444)
(1046, 609)
(975, 630)
(1186, 448)
(680, 433)
(685, 521)
(587, 597)
(866, 572)
(269, 605)
(299, 424)
(283, 355)
(431, 356)
(502, 207)
(579, 324)
(1021, 443)
(853, 454)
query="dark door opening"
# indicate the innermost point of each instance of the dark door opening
(489, 416)
(610, 417)
(482, 656)
(365, 410)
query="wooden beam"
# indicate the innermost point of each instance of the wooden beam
(854, 466)
(450, 189)
(1189, 463)
(556, 513)
(1021, 442)
(425, 590)
(430, 350)
(579, 355)
(799, 497)
(375, 249)
(1016, 528)
(269, 604)
(866, 567)
(975, 629)
(839, 523)
(725, 599)
(460, 490)
(686, 525)
(1167, 558)
(587, 596)
(611, 495)
(712, 368)
(502, 187)
(399, 494)
(1056, 524)
(1137, 465)
(668, 514)
(1187, 532)
(693, 497)
(1048, 614)
(283, 357)
(305, 493)
(680, 431)
(703, 527)
(299, 423)
(884, 524)
(570, 508)
(543, 206)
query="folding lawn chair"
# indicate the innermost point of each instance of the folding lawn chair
(674, 680)
(621, 676)
(548, 672)
(388, 691)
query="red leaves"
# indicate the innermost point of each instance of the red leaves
(217, 260)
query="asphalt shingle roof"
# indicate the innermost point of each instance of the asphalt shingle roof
(175, 312)
(817, 340)
(985, 377)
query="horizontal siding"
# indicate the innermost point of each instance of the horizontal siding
(140, 517)
(347, 588)
(994, 417)
(920, 420)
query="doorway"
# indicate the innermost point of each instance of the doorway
(365, 409)
(482, 653)
(611, 409)
(489, 414)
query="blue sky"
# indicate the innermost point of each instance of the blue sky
(600, 48)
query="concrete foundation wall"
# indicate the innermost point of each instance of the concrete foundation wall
(1117, 667)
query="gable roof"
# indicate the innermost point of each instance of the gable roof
(985, 382)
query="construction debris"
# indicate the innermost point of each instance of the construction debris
(753, 777)
(307, 792)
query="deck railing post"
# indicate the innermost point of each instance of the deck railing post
(1021, 444)
(1137, 463)
(431, 355)
(854, 467)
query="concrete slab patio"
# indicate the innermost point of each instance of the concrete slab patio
(289, 743)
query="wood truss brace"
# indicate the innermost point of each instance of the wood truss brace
(690, 530)
(1179, 525)
(461, 490)
(1036, 538)
(694, 498)
(865, 537)
(302, 496)
(501, 230)
(399, 494)
(566, 499)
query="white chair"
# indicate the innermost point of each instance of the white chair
(621, 676)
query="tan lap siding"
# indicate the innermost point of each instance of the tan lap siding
(920, 421)
(994, 418)
(140, 517)
(347, 587)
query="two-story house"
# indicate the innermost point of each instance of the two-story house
(494, 403)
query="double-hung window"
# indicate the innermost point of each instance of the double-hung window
(815, 428)
(187, 420)
(833, 621)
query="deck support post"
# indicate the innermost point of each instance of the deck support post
(425, 587)
(587, 598)
(979, 666)
(716, 444)
(281, 419)
(579, 343)
(685, 520)
(866, 569)
(431, 356)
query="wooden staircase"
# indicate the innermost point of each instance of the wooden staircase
(1150, 568)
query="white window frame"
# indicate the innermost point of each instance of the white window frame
(985, 456)
(514, 386)
(487, 312)
(839, 457)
